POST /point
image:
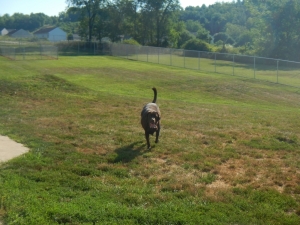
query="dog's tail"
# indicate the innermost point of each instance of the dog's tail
(155, 95)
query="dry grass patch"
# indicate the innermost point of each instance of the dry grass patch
(263, 172)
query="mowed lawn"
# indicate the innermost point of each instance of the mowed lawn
(228, 151)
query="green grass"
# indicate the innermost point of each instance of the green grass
(228, 152)
(285, 72)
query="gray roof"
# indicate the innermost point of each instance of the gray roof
(11, 31)
(44, 30)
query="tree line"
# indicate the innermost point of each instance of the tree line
(268, 28)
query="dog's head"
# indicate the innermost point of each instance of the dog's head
(153, 120)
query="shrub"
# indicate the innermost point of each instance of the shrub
(196, 44)
(131, 42)
(70, 37)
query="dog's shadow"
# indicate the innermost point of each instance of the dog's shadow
(128, 153)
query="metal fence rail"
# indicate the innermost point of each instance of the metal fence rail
(266, 69)
(29, 52)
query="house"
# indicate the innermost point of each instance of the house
(20, 33)
(51, 33)
(76, 37)
(3, 31)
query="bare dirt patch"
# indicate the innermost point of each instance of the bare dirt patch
(264, 172)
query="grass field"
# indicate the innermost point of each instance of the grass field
(228, 152)
(270, 70)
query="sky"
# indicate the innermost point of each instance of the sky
(54, 7)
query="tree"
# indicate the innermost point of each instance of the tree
(224, 38)
(90, 9)
(184, 36)
(277, 23)
(203, 34)
(234, 30)
(117, 21)
(245, 38)
(175, 34)
(160, 13)
(119, 17)
(192, 26)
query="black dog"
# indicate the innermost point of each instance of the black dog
(150, 119)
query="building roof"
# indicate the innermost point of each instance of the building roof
(11, 31)
(44, 30)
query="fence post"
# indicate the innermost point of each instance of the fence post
(171, 56)
(147, 53)
(78, 48)
(215, 62)
(23, 53)
(158, 55)
(232, 65)
(198, 60)
(254, 67)
(116, 49)
(183, 58)
(277, 70)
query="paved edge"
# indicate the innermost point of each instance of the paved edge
(10, 149)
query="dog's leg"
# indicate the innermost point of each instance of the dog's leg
(157, 135)
(147, 139)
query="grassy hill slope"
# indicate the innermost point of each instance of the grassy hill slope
(228, 152)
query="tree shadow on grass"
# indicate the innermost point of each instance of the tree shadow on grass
(128, 153)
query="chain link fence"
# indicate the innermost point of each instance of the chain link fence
(266, 69)
(28, 50)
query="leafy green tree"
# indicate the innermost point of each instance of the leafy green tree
(115, 20)
(223, 37)
(277, 23)
(72, 15)
(203, 34)
(184, 36)
(245, 38)
(235, 30)
(2, 23)
(161, 13)
(192, 26)
(175, 34)
(37, 20)
(90, 10)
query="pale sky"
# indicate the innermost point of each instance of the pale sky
(53, 7)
